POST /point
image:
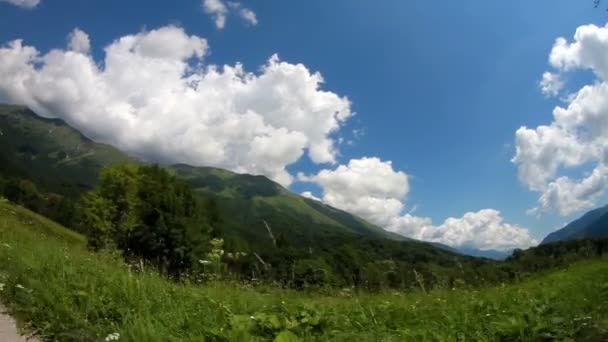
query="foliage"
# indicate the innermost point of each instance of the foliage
(146, 212)
(27, 194)
(65, 292)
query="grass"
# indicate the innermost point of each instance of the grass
(66, 293)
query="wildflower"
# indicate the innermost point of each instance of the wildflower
(204, 262)
(19, 286)
(1, 287)
(113, 337)
(252, 317)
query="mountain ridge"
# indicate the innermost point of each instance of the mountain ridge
(592, 224)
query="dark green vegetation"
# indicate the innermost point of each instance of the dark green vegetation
(149, 214)
(50, 279)
(593, 224)
(146, 213)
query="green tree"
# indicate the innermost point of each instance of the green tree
(146, 212)
(23, 192)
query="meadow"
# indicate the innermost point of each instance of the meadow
(59, 290)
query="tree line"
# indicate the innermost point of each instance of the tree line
(154, 218)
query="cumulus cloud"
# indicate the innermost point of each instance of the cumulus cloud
(23, 3)
(551, 84)
(374, 190)
(154, 96)
(78, 41)
(249, 16)
(554, 159)
(220, 10)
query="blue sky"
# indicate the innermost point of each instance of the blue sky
(438, 88)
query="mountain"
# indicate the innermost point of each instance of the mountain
(57, 158)
(249, 203)
(593, 224)
(50, 153)
(489, 254)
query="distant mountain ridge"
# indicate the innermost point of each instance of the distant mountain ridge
(489, 254)
(593, 224)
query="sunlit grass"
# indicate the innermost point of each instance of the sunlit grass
(69, 294)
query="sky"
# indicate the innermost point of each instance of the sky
(477, 124)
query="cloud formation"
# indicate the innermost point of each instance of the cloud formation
(219, 10)
(566, 160)
(551, 84)
(154, 96)
(372, 189)
(23, 3)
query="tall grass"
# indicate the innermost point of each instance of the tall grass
(66, 293)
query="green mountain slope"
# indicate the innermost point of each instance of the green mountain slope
(593, 224)
(250, 202)
(50, 153)
(59, 159)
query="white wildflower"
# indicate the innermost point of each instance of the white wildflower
(2, 287)
(113, 337)
(204, 262)
(19, 286)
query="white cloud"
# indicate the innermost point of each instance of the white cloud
(220, 10)
(372, 189)
(78, 41)
(249, 16)
(309, 194)
(577, 138)
(551, 84)
(154, 96)
(23, 3)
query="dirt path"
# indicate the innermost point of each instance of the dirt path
(9, 331)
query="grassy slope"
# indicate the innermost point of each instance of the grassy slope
(69, 294)
(50, 153)
(249, 200)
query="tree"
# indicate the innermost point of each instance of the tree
(23, 192)
(146, 212)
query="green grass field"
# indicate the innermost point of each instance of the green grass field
(63, 292)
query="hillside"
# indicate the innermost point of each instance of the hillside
(248, 201)
(59, 159)
(57, 288)
(50, 153)
(593, 224)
